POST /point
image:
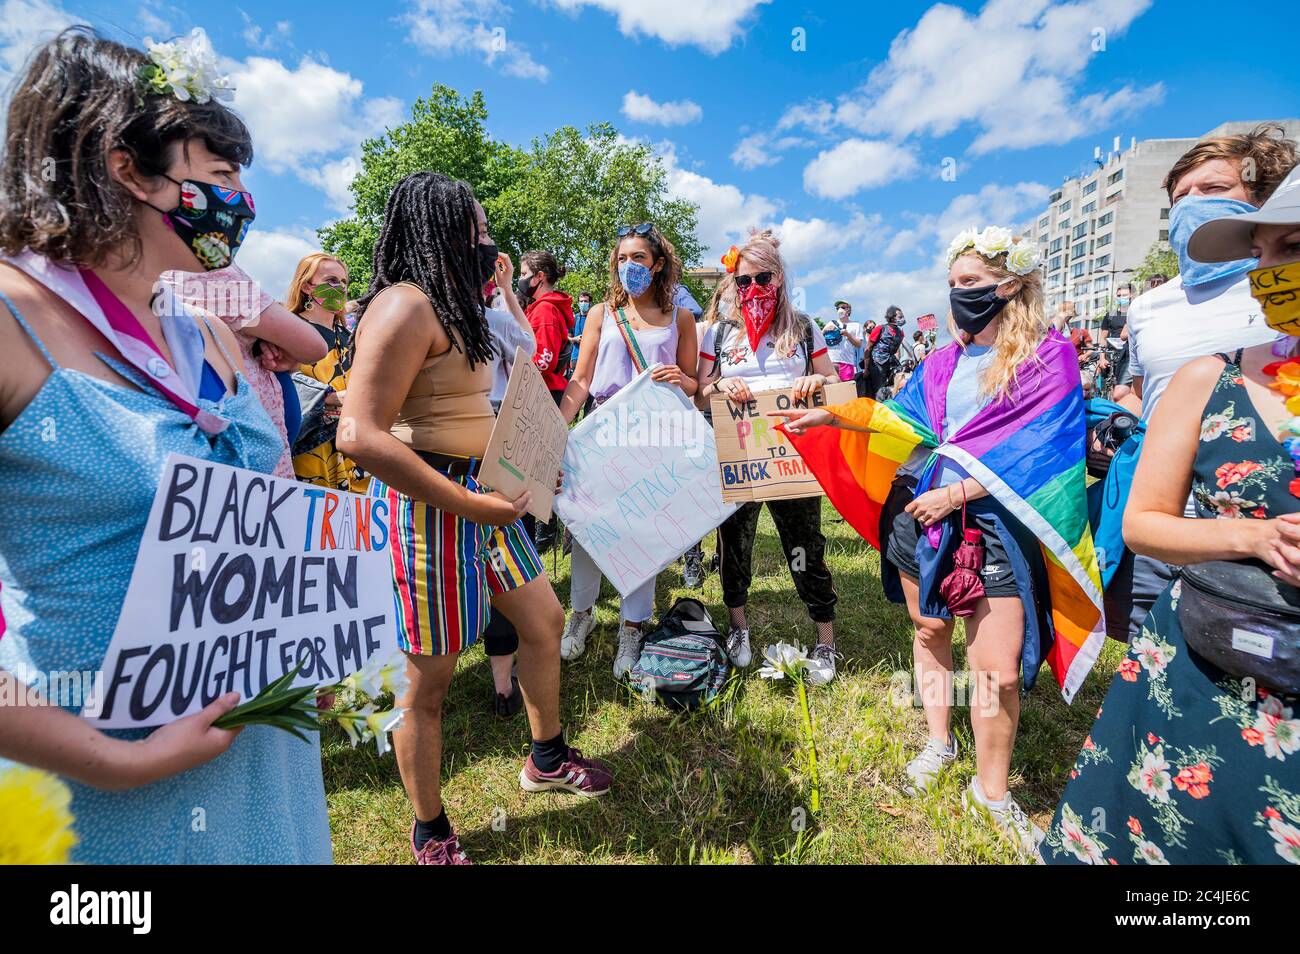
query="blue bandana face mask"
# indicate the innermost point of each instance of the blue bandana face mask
(1187, 215)
(635, 278)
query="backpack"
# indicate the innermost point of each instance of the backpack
(727, 325)
(885, 351)
(684, 661)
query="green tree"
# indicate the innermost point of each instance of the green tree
(573, 193)
(567, 194)
(1160, 260)
(446, 133)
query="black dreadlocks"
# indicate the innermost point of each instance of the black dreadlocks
(428, 239)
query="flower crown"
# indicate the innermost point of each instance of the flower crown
(187, 69)
(1023, 256)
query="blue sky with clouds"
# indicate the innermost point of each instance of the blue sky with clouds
(832, 122)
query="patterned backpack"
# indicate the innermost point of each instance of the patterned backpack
(684, 661)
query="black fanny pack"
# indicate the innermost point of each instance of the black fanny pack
(1241, 618)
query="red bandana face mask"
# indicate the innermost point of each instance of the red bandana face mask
(758, 306)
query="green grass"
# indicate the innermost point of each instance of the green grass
(726, 786)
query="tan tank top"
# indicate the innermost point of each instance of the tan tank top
(447, 409)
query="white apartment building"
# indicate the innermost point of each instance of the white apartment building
(1098, 227)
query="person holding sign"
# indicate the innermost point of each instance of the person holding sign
(418, 397)
(775, 348)
(97, 393)
(639, 327)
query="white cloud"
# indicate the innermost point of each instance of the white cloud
(712, 25)
(725, 212)
(641, 108)
(24, 25)
(1013, 71)
(263, 39)
(333, 178)
(857, 164)
(269, 256)
(448, 27)
(919, 292)
(808, 244)
(303, 116)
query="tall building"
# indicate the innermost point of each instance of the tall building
(1098, 226)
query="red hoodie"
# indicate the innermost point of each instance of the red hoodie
(551, 316)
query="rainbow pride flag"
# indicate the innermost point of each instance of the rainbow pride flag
(1027, 452)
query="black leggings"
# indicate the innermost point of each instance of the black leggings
(798, 523)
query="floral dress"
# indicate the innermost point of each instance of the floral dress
(1185, 764)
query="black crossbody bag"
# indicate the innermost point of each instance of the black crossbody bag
(1243, 619)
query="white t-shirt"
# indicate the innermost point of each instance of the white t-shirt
(1169, 326)
(846, 352)
(764, 371)
(507, 334)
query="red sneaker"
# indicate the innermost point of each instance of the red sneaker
(576, 774)
(445, 851)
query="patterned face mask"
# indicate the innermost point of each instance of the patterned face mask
(212, 220)
(330, 297)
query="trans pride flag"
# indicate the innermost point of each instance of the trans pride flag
(1028, 452)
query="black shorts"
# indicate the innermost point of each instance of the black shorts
(998, 575)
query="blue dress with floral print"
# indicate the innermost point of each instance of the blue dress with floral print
(1185, 764)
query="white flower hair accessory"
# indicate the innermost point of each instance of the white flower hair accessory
(1022, 256)
(187, 69)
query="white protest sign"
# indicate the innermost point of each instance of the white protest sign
(641, 482)
(241, 577)
(527, 440)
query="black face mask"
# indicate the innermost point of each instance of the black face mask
(974, 308)
(487, 262)
(524, 288)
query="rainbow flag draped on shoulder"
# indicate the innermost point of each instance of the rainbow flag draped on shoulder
(1027, 452)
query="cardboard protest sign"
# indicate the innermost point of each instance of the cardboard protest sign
(527, 442)
(641, 482)
(755, 460)
(240, 577)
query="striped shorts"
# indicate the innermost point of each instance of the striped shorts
(446, 570)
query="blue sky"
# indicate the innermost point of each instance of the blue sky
(833, 122)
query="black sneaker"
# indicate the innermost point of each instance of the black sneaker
(508, 706)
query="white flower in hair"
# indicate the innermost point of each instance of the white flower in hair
(1023, 258)
(187, 69)
(962, 241)
(993, 241)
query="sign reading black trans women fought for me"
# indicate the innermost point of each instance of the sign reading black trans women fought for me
(240, 578)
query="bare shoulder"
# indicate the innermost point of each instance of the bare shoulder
(1196, 377)
(404, 311)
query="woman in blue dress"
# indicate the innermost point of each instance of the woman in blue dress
(109, 179)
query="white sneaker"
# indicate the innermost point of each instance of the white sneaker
(738, 647)
(576, 630)
(925, 767)
(821, 665)
(629, 649)
(1007, 816)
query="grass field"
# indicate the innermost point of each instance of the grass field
(726, 786)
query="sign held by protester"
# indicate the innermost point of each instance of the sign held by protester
(927, 323)
(641, 481)
(527, 442)
(240, 578)
(755, 460)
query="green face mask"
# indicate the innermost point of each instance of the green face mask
(330, 297)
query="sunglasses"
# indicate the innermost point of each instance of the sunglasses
(762, 278)
(642, 229)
